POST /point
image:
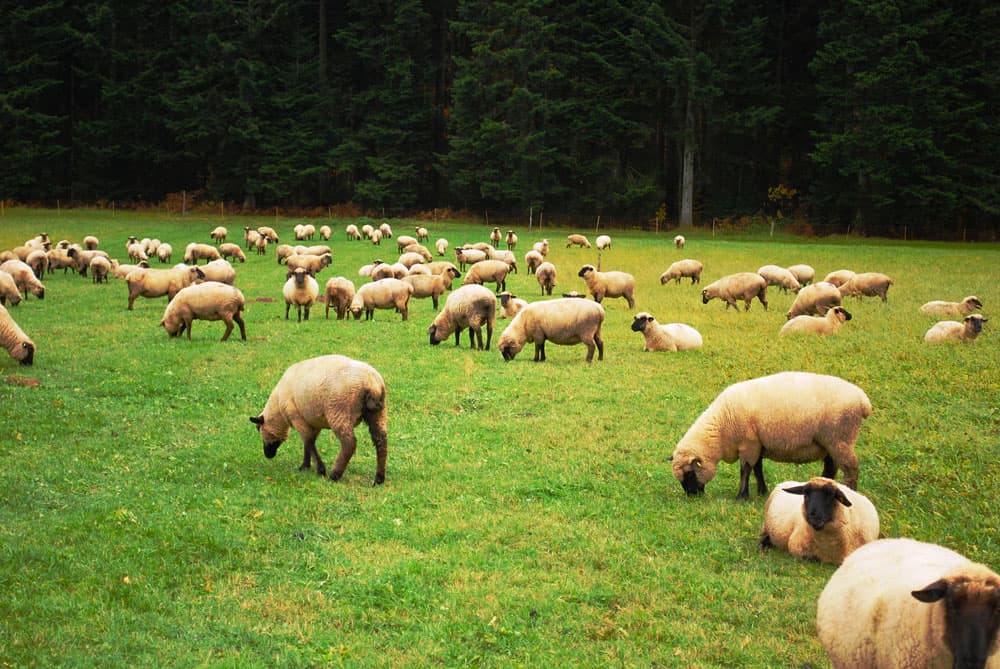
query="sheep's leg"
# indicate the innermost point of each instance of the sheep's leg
(377, 429)
(348, 444)
(229, 328)
(589, 343)
(758, 473)
(288, 306)
(489, 334)
(744, 492)
(239, 321)
(540, 350)
(631, 301)
(458, 333)
(307, 312)
(309, 451)
(849, 463)
(187, 324)
(829, 467)
(600, 345)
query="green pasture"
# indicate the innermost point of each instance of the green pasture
(529, 516)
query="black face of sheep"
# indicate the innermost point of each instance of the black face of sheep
(819, 503)
(639, 324)
(976, 320)
(508, 353)
(691, 485)
(705, 298)
(972, 618)
(583, 270)
(270, 448)
(432, 331)
(29, 356)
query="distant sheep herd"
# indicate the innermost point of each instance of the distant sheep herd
(891, 603)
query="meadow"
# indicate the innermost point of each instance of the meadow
(529, 515)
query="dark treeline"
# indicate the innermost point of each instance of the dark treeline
(882, 115)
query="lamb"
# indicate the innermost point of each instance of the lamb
(219, 270)
(428, 285)
(164, 252)
(869, 284)
(948, 331)
(804, 274)
(510, 304)
(815, 299)
(495, 237)
(818, 520)
(325, 231)
(441, 246)
(679, 242)
(153, 283)
(740, 286)
(609, 284)
(532, 259)
(195, 252)
(24, 278)
(230, 250)
(352, 232)
(339, 292)
(821, 325)
(943, 309)
(781, 277)
(422, 233)
(13, 338)
(9, 290)
(100, 267)
(333, 392)
(787, 417)
(471, 307)
(511, 240)
(219, 234)
(681, 269)
(208, 301)
(577, 240)
(670, 337)
(603, 242)
(565, 321)
(904, 603)
(312, 264)
(382, 294)
(488, 270)
(545, 273)
(839, 277)
(301, 290)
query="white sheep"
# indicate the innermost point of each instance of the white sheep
(100, 268)
(366, 231)
(218, 235)
(839, 277)
(818, 520)
(781, 277)
(953, 331)
(422, 233)
(13, 338)
(821, 325)
(495, 236)
(410, 259)
(511, 240)
(59, 259)
(24, 277)
(902, 603)
(944, 309)
(339, 293)
(120, 270)
(740, 286)
(488, 271)
(577, 240)
(532, 259)
(815, 299)
(381, 270)
(376, 237)
(564, 321)
(299, 232)
(352, 233)
(466, 257)
(506, 256)
(310, 263)
(388, 293)
(152, 283)
(325, 231)
(386, 230)
(428, 285)
(869, 284)
(670, 337)
(603, 242)
(195, 252)
(470, 306)
(420, 268)
(300, 289)
(609, 284)
(541, 247)
(219, 270)
(683, 268)
(441, 245)
(164, 252)
(804, 274)
(545, 274)
(786, 417)
(268, 233)
(90, 242)
(330, 392)
(9, 291)
(208, 301)
(679, 242)
(510, 304)
(314, 250)
(38, 261)
(230, 250)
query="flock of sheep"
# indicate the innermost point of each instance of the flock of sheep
(891, 603)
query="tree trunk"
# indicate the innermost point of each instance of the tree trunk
(687, 169)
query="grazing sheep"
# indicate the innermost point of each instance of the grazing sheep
(564, 321)
(381, 270)
(545, 274)
(471, 307)
(310, 263)
(486, 271)
(230, 250)
(740, 286)
(495, 237)
(541, 247)
(120, 270)
(818, 520)
(386, 230)
(219, 270)
(208, 301)
(339, 294)
(405, 240)
(82, 258)
(422, 233)
(282, 252)
(839, 277)
(683, 268)
(352, 232)
(420, 268)
(506, 256)
(100, 268)
(480, 246)
(268, 233)
(408, 259)
(944, 309)
(781, 277)
(609, 284)
(325, 231)
(903, 603)
(195, 252)
(388, 293)
(9, 290)
(152, 283)
(332, 392)
(869, 284)
(164, 252)
(670, 337)
(441, 246)
(804, 274)
(420, 250)
(219, 234)
(445, 269)
(511, 240)
(90, 242)
(510, 304)
(376, 237)
(260, 245)
(151, 246)
(532, 259)
(577, 240)
(367, 230)
(428, 285)
(786, 417)
(821, 325)
(12, 338)
(24, 278)
(603, 242)
(466, 257)
(679, 242)
(815, 299)
(251, 237)
(301, 290)
(59, 259)
(38, 261)
(949, 331)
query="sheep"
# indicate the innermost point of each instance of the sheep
(24, 278)
(195, 252)
(495, 237)
(164, 252)
(325, 231)
(545, 274)
(420, 268)
(428, 285)
(603, 242)
(339, 293)
(422, 233)
(409, 259)
(268, 233)
(506, 256)
(804, 274)
(376, 237)
(315, 250)
(352, 232)
(366, 231)
(444, 267)
(9, 290)
(511, 240)
(81, 258)
(282, 252)
(152, 283)
(821, 325)
(219, 234)
(466, 257)
(950, 331)
(681, 269)
(260, 245)
(670, 337)
(382, 294)
(90, 242)
(441, 246)
(120, 270)
(312, 264)
(230, 250)
(943, 309)
(403, 241)
(299, 232)
(151, 247)
(386, 230)
(510, 304)
(13, 338)
(740, 286)
(679, 242)
(905, 603)
(609, 284)
(59, 259)
(532, 259)
(818, 520)
(333, 392)
(219, 270)
(870, 284)
(815, 299)
(38, 261)
(208, 301)
(839, 277)
(541, 247)
(471, 307)
(781, 277)
(488, 270)
(381, 270)
(787, 417)
(100, 267)
(577, 240)
(301, 290)
(564, 321)
(480, 246)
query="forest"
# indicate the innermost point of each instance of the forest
(872, 117)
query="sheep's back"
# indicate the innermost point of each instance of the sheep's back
(561, 321)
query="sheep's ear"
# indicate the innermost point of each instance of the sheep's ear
(257, 420)
(696, 463)
(796, 490)
(932, 593)
(670, 458)
(842, 498)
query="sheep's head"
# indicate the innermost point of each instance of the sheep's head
(692, 471)
(439, 330)
(973, 302)
(974, 322)
(705, 298)
(25, 354)
(585, 269)
(509, 346)
(821, 498)
(641, 320)
(842, 313)
(271, 439)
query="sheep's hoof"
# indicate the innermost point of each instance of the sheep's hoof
(379, 479)
(335, 476)
(304, 468)
(321, 470)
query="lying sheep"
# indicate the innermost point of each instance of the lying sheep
(12, 338)
(301, 290)
(488, 271)
(603, 242)
(339, 293)
(164, 252)
(208, 301)
(818, 520)
(441, 246)
(428, 285)
(218, 235)
(9, 291)
(839, 277)
(786, 417)
(195, 252)
(24, 278)
(670, 337)
(948, 331)
(868, 284)
(577, 240)
(532, 259)
(229, 250)
(815, 299)
(804, 274)
(100, 268)
(821, 325)
(389, 293)
(564, 321)
(740, 286)
(470, 306)
(545, 274)
(152, 283)
(781, 277)
(609, 284)
(219, 270)
(943, 309)
(683, 268)
(903, 603)
(679, 242)
(511, 240)
(310, 263)
(329, 392)
(510, 304)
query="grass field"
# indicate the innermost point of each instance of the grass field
(529, 516)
